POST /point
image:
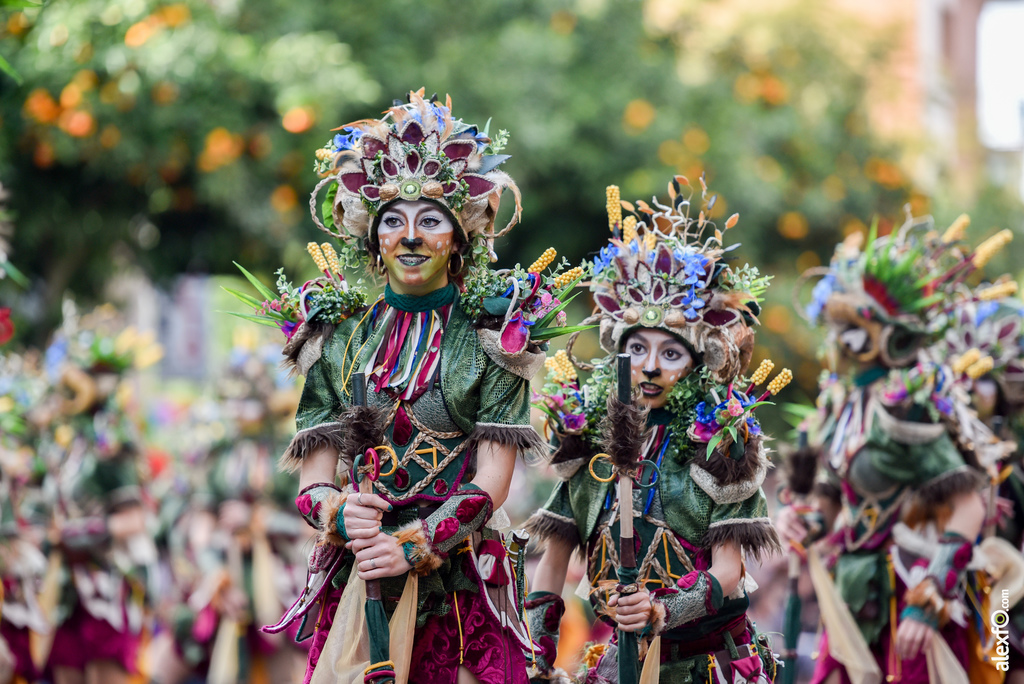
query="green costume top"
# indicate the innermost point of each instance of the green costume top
(468, 397)
(465, 396)
(883, 467)
(677, 522)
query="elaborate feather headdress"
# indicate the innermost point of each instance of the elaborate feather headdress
(664, 268)
(415, 151)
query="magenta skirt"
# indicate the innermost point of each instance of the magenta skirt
(82, 639)
(485, 648)
(913, 671)
(17, 640)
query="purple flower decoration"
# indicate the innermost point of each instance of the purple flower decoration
(573, 421)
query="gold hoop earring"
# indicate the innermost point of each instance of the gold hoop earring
(380, 264)
(462, 263)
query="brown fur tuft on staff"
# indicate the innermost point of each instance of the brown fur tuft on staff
(365, 427)
(801, 469)
(623, 431)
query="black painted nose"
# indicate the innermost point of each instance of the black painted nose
(652, 373)
(411, 243)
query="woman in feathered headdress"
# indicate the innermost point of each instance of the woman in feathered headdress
(447, 353)
(667, 297)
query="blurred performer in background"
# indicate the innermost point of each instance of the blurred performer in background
(908, 459)
(984, 354)
(235, 546)
(95, 587)
(23, 516)
(447, 353)
(668, 299)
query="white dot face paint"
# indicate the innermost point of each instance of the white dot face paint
(387, 241)
(438, 245)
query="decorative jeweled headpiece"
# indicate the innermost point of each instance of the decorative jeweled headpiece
(415, 151)
(665, 269)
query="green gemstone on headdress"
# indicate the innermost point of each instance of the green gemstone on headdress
(652, 317)
(410, 190)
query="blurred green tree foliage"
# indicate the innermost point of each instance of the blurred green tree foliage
(179, 136)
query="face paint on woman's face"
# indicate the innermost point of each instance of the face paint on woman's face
(415, 240)
(658, 361)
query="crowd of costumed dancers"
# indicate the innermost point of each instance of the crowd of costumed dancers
(369, 541)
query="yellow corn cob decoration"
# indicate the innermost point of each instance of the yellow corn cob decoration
(965, 361)
(569, 276)
(761, 374)
(629, 229)
(980, 367)
(543, 261)
(614, 207)
(565, 365)
(988, 249)
(560, 368)
(650, 240)
(956, 230)
(1007, 289)
(784, 377)
(318, 257)
(322, 153)
(331, 256)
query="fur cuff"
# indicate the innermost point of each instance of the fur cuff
(330, 509)
(544, 526)
(658, 617)
(307, 441)
(365, 428)
(755, 536)
(523, 437)
(416, 546)
(939, 490)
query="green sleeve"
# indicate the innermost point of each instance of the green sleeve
(320, 402)
(912, 464)
(504, 397)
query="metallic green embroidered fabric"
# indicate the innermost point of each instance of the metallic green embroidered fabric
(473, 389)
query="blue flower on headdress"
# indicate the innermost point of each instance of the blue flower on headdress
(823, 289)
(693, 267)
(55, 356)
(985, 309)
(692, 304)
(347, 142)
(438, 110)
(605, 257)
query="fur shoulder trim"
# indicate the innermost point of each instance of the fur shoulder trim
(939, 490)
(727, 480)
(544, 526)
(525, 364)
(756, 536)
(305, 347)
(306, 441)
(523, 437)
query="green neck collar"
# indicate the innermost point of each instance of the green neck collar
(866, 377)
(442, 296)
